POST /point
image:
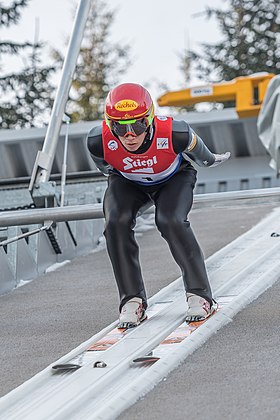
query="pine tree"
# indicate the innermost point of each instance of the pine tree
(26, 94)
(8, 16)
(250, 42)
(29, 94)
(11, 14)
(99, 65)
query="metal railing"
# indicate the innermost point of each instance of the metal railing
(94, 211)
(33, 240)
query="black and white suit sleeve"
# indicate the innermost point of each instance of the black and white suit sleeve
(187, 142)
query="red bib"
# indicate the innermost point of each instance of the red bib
(156, 165)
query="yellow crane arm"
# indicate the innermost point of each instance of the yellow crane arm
(248, 93)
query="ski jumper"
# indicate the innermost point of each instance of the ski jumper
(157, 164)
(158, 176)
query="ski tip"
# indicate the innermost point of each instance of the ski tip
(66, 366)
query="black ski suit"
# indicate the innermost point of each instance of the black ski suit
(173, 200)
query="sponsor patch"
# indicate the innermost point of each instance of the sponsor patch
(162, 143)
(126, 105)
(113, 145)
(140, 165)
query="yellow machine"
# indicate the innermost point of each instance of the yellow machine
(247, 93)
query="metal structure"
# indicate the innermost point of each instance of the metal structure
(32, 255)
(64, 162)
(248, 167)
(247, 93)
(44, 160)
(27, 251)
(18, 150)
(95, 211)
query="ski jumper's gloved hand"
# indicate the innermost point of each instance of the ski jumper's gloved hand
(220, 158)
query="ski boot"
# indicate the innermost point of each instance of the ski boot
(199, 308)
(132, 313)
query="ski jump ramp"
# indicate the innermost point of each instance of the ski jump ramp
(239, 273)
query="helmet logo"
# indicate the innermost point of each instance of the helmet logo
(126, 105)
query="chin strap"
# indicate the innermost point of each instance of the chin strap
(149, 135)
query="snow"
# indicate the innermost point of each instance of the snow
(22, 283)
(56, 266)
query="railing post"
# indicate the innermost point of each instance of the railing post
(44, 161)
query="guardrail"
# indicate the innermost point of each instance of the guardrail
(66, 232)
(94, 211)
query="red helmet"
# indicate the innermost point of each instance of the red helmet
(129, 101)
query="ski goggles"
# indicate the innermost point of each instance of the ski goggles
(134, 127)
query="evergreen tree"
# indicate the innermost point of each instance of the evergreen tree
(10, 15)
(250, 43)
(29, 94)
(26, 94)
(100, 63)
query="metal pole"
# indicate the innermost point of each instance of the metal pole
(44, 160)
(95, 211)
(64, 163)
(25, 235)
